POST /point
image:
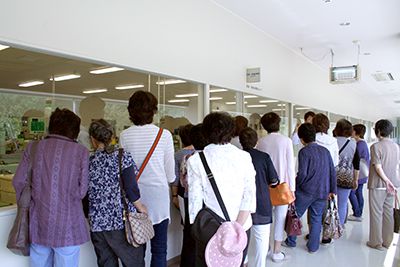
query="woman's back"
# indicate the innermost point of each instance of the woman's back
(59, 182)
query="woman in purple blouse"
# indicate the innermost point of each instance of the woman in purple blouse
(59, 182)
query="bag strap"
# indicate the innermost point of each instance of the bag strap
(125, 205)
(344, 146)
(146, 160)
(211, 178)
(32, 155)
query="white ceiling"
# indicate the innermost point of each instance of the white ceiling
(314, 26)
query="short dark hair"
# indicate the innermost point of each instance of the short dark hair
(102, 131)
(384, 128)
(197, 137)
(307, 132)
(270, 121)
(142, 107)
(64, 122)
(343, 128)
(360, 130)
(321, 123)
(248, 138)
(240, 123)
(309, 114)
(218, 127)
(184, 134)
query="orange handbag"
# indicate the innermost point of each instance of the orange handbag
(281, 194)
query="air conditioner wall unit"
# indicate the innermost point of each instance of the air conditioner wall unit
(346, 74)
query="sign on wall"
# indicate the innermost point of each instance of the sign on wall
(253, 75)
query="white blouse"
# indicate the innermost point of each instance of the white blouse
(160, 170)
(234, 175)
(280, 149)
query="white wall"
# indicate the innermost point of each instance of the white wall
(195, 40)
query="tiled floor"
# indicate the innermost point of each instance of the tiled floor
(349, 251)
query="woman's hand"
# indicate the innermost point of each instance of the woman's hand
(390, 188)
(140, 207)
(355, 184)
(175, 201)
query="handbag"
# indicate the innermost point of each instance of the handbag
(396, 215)
(293, 223)
(344, 171)
(138, 226)
(364, 168)
(207, 221)
(280, 194)
(332, 229)
(18, 239)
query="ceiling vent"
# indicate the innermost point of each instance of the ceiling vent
(383, 77)
(397, 101)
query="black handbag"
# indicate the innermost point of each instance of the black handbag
(207, 221)
(396, 215)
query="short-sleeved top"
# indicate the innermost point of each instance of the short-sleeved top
(265, 175)
(386, 153)
(105, 201)
(179, 157)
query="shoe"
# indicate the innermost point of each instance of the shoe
(327, 242)
(378, 247)
(354, 218)
(307, 237)
(280, 257)
(311, 252)
(286, 245)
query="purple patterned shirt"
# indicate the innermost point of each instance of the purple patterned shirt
(59, 182)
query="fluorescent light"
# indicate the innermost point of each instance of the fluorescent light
(245, 102)
(31, 83)
(167, 82)
(256, 106)
(217, 90)
(230, 103)
(304, 108)
(281, 105)
(250, 96)
(94, 91)
(129, 86)
(298, 113)
(2, 47)
(178, 100)
(65, 77)
(269, 101)
(215, 98)
(277, 109)
(105, 70)
(186, 95)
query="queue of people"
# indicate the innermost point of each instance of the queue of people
(214, 178)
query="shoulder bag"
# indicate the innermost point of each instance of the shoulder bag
(344, 170)
(18, 239)
(207, 221)
(280, 194)
(396, 214)
(138, 226)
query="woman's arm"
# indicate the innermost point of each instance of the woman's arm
(84, 179)
(356, 165)
(169, 160)
(248, 204)
(291, 167)
(389, 185)
(195, 188)
(21, 175)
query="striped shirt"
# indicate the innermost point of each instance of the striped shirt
(160, 170)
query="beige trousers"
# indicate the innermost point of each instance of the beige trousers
(381, 224)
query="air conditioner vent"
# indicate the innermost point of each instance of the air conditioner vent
(397, 101)
(383, 76)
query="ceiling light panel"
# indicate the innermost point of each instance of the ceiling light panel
(257, 106)
(94, 91)
(178, 100)
(230, 103)
(168, 82)
(2, 47)
(186, 95)
(218, 90)
(105, 70)
(250, 96)
(215, 98)
(129, 86)
(66, 77)
(30, 83)
(269, 101)
(302, 108)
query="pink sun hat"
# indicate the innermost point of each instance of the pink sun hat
(226, 246)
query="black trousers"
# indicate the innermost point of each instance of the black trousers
(188, 253)
(111, 245)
